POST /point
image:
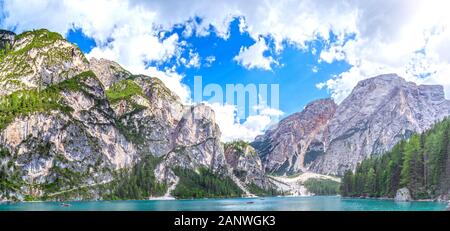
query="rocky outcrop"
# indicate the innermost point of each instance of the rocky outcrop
(403, 194)
(39, 59)
(108, 72)
(378, 113)
(297, 140)
(53, 151)
(6, 39)
(195, 143)
(246, 164)
(70, 124)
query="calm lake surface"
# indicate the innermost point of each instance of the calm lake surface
(313, 203)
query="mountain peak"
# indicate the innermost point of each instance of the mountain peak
(6, 38)
(6, 32)
(390, 79)
(283, 148)
(109, 72)
(320, 103)
(37, 59)
(63, 117)
(330, 139)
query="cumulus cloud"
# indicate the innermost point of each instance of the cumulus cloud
(124, 32)
(253, 56)
(410, 39)
(232, 129)
(194, 60)
(394, 37)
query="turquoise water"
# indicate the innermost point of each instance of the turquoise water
(314, 203)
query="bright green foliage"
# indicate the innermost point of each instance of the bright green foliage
(422, 164)
(204, 184)
(4, 51)
(17, 61)
(123, 90)
(239, 146)
(322, 186)
(25, 102)
(40, 39)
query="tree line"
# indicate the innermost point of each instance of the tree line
(322, 186)
(204, 184)
(421, 164)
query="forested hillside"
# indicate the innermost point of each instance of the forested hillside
(421, 164)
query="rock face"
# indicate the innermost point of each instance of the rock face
(39, 59)
(246, 164)
(6, 39)
(67, 123)
(297, 140)
(378, 113)
(403, 194)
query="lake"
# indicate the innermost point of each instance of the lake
(312, 203)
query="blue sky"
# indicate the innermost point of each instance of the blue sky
(294, 73)
(296, 44)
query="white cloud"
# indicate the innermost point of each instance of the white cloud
(394, 36)
(124, 32)
(253, 56)
(410, 39)
(332, 54)
(226, 118)
(315, 69)
(210, 60)
(194, 60)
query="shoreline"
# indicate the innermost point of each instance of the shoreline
(165, 198)
(161, 198)
(393, 199)
(218, 203)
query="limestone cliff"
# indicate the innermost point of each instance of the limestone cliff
(77, 129)
(331, 139)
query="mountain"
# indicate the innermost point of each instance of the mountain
(71, 128)
(283, 148)
(247, 166)
(418, 168)
(379, 112)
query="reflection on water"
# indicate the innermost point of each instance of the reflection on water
(315, 203)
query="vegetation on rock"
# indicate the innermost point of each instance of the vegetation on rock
(204, 184)
(123, 90)
(421, 164)
(138, 183)
(239, 146)
(25, 102)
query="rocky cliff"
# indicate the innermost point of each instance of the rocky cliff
(378, 113)
(290, 146)
(77, 129)
(6, 39)
(247, 166)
